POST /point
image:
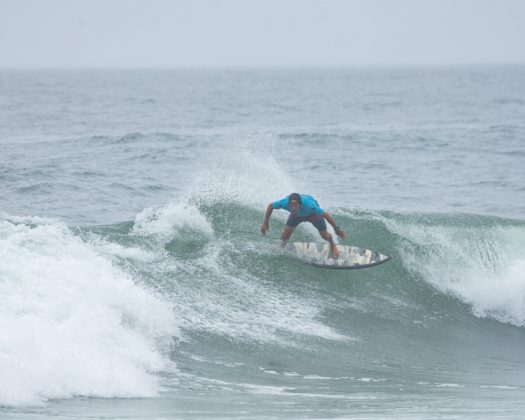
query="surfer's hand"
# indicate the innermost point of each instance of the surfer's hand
(265, 228)
(341, 233)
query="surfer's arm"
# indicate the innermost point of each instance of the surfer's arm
(340, 232)
(265, 227)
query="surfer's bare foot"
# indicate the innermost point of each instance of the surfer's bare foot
(335, 252)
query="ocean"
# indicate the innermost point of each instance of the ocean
(135, 283)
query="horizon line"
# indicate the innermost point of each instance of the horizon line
(270, 67)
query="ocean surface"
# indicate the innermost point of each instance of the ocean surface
(135, 284)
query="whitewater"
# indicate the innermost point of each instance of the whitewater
(134, 282)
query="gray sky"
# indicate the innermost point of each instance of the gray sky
(208, 33)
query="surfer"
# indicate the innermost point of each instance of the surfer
(303, 208)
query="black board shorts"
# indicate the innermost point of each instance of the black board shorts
(314, 219)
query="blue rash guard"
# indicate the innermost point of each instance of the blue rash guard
(309, 212)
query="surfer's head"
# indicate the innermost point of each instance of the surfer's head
(295, 202)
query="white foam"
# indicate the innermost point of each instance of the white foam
(289, 391)
(267, 389)
(111, 249)
(271, 372)
(72, 323)
(28, 220)
(291, 374)
(167, 222)
(498, 387)
(499, 295)
(447, 385)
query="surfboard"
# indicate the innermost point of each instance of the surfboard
(320, 255)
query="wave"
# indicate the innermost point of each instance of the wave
(78, 300)
(209, 277)
(74, 323)
(479, 260)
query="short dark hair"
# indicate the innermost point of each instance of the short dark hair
(294, 197)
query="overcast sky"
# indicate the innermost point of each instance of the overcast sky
(228, 33)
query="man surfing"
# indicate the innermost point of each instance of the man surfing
(303, 208)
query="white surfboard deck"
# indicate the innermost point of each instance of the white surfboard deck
(319, 254)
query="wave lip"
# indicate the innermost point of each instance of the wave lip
(73, 323)
(479, 260)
